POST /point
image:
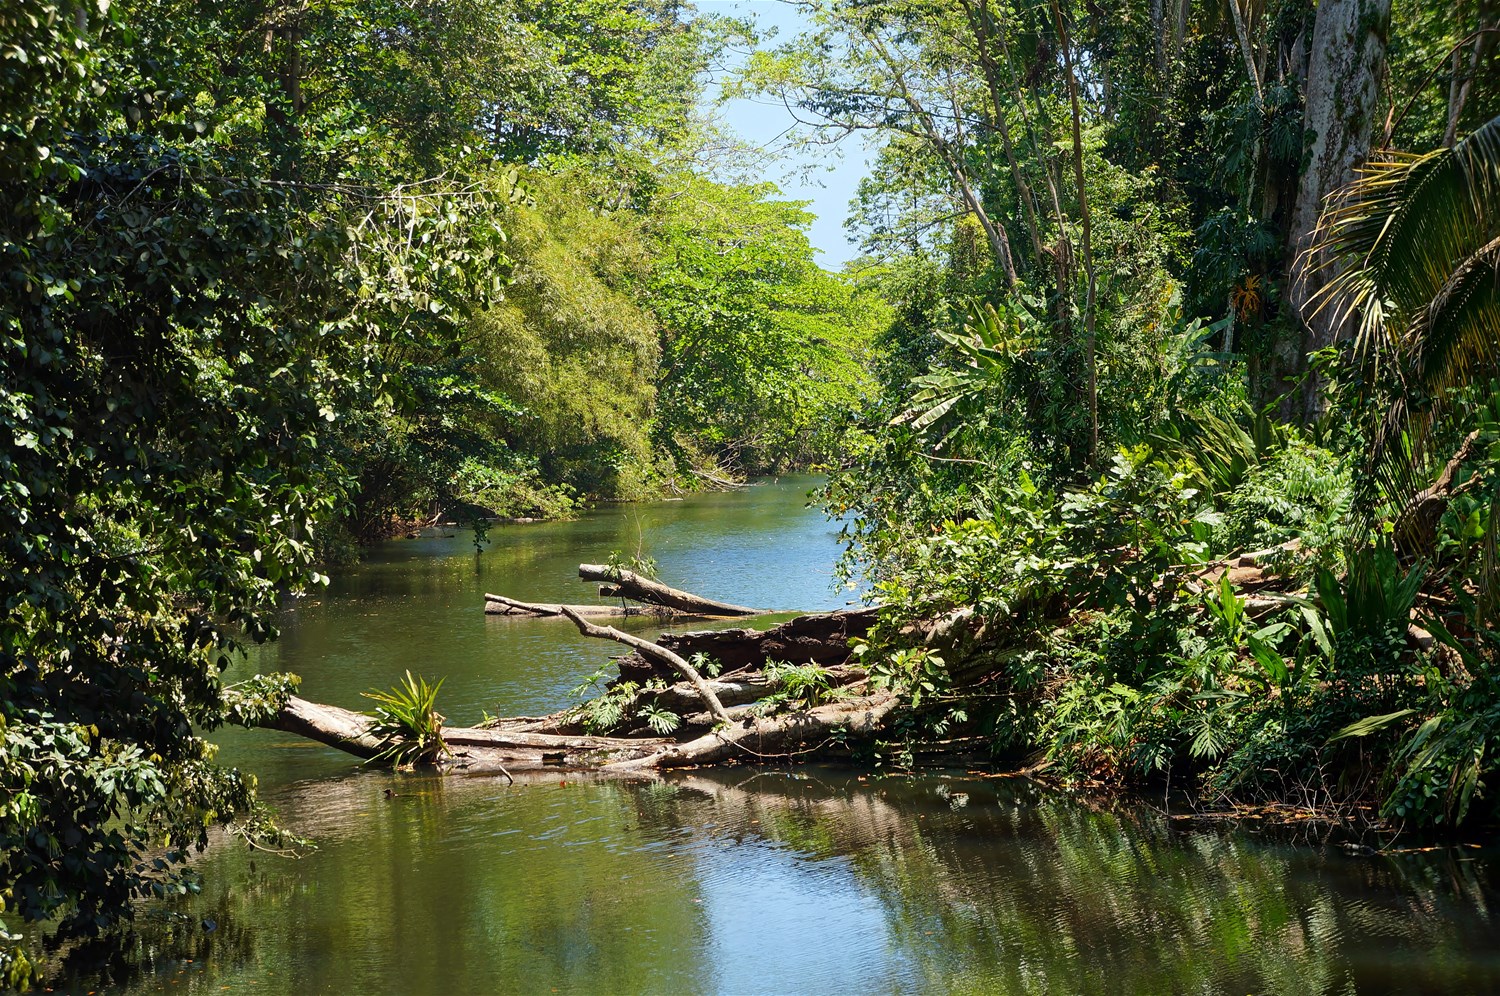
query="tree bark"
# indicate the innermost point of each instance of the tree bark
(632, 585)
(1088, 249)
(1347, 60)
(951, 158)
(345, 729)
(780, 736)
(499, 605)
(1416, 525)
(981, 23)
(817, 638)
(473, 748)
(1459, 86)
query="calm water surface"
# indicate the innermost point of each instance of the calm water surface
(806, 880)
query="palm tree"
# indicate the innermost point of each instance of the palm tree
(1414, 243)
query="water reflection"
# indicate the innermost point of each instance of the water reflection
(778, 881)
(737, 881)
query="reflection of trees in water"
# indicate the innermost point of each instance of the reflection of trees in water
(999, 887)
(991, 886)
(453, 885)
(164, 945)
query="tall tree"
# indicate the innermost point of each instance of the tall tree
(182, 332)
(1345, 68)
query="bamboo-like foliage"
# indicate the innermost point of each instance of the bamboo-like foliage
(1415, 243)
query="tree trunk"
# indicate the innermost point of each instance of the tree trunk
(1459, 86)
(632, 585)
(1088, 249)
(342, 728)
(1347, 60)
(981, 23)
(776, 737)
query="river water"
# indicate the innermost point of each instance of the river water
(743, 880)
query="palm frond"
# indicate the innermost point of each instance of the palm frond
(1413, 246)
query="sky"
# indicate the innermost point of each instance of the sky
(826, 178)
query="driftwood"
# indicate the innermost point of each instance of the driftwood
(479, 749)
(720, 482)
(342, 728)
(500, 605)
(631, 585)
(776, 737)
(738, 727)
(736, 689)
(656, 600)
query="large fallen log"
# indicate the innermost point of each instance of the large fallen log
(342, 728)
(739, 688)
(632, 585)
(472, 748)
(816, 638)
(758, 739)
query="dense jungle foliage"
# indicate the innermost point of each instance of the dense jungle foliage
(1184, 470)
(1174, 346)
(278, 277)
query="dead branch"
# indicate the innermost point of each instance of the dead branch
(705, 693)
(500, 605)
(632, 585)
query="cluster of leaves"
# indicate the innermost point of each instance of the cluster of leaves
(802, 686)
(195, 295)
(407, 723)
(623, 702)
(765, 357)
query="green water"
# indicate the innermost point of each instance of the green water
(803, 880)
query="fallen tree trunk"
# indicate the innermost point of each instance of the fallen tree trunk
(342, 728)
(500, 605)
(737, 689)
(631, 585)
(474, 748)
(737, 733)
(775, 737)
(816, 638)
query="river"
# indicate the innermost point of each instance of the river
(743, 880)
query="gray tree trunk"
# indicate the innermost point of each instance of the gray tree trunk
(1346, 64)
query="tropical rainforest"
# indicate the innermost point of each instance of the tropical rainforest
(1161, 408)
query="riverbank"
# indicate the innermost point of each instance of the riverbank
(670, 881)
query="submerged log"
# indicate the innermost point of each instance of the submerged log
(632, 585)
